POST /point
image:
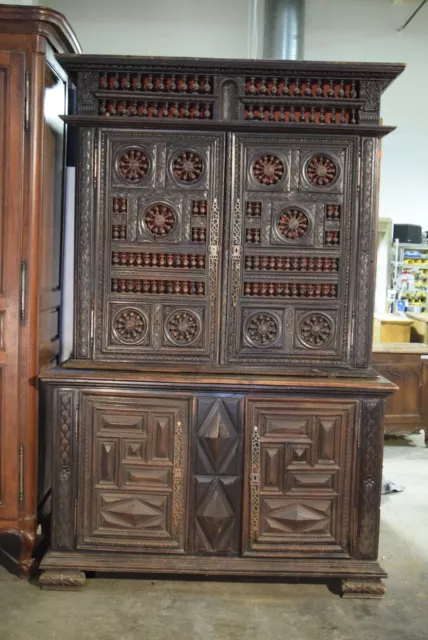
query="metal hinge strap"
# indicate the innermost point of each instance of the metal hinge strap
(21, 473)
(23, 297)
(27, 102)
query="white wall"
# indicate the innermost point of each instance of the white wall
(366, 30)
(200, 28)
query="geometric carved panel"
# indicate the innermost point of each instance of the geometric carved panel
(136, 448)
(216, 476)
(289, 516)
(298, 484)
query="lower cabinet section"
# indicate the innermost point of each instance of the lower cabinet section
(164, 476)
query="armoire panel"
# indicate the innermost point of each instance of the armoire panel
(290, 298)
(158, 251)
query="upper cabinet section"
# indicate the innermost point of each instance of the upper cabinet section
(247, 91)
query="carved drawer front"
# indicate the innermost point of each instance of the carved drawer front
(216, 476)
(290, 232)
(160, 222)
(298, 476)
(133, 456)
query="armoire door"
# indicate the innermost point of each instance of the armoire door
(289, 289)
(298, 476)
(158, 251)
(12, 276)
(133, 452)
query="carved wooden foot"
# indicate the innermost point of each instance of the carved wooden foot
(363, 589)
(27, 564)
(62, 580)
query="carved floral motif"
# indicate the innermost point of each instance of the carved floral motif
(262, 329)
(133, 165)
(293, 224)
(268, 169)
(321, 171)
(182, 327)
(316, 330)
(160, 219)
(187, 166)
(129, 325)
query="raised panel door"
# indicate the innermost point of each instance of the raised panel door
(289, 296)
(12, 74)
(298, 476)
(158, 254)
(133, 462)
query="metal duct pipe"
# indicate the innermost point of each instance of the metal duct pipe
(283, 29)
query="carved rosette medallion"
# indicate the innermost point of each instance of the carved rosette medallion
(182, 327)
(160, 219)
(133, 165)
(316, 330)
(321, 171)
(268, 169)
(187, 166)
(262, 329)
(129, 326)
(292, 224)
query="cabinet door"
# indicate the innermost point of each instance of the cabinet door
(298, 476)
(12, 72)
(290, 234)
(133, 456)
(158, 249)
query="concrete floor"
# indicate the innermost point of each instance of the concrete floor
(134, 609)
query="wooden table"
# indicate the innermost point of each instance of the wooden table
(406, 364)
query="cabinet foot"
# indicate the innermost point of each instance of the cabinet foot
(62, 580)
(363, 589)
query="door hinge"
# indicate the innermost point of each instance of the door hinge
(21, 474)
(27, 102)
(23, 298)
(92, 329)
(95, 165)
(75, 518)
(76, 421)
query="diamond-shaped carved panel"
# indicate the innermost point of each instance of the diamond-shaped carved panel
(217, 436)
(290, 516)
(215, 516)
(146, 512)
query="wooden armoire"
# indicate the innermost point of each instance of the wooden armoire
(33, 96)
(220, 414)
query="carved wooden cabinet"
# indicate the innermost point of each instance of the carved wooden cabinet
(406, 365)
(33, 95)
(224, 211)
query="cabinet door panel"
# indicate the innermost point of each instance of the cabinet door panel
(289, 291)
(157, 284)
(298, 475)
(11, 190)
(133, 461)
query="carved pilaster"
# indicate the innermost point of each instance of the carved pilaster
(63, 530)
(366, 250)
(87, 84)
(370, 479)
(84, 244)
(370, 92)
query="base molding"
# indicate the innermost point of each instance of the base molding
(363, 589)
(64, 580)
(351, 570)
